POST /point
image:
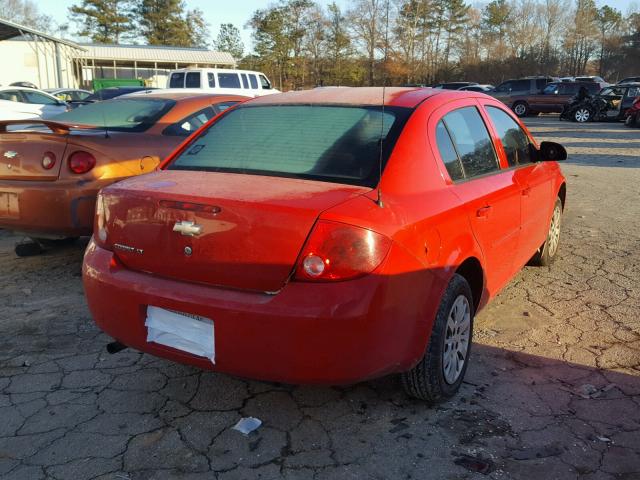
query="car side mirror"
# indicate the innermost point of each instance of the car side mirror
(551, 152)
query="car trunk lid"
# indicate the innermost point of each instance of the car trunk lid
(23, 149)
(225, 229)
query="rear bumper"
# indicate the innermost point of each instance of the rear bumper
(51, 208)
(307, 333)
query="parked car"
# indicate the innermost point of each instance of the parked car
(567, 79)
(18, 103)
(551, 99)
(507, 91)
(69, 94)
(24, 84)
(346, 239)
(592, 78)
(219, 80)
(51, 170)
(610, 104)
(108, 94)
(478, 88)
(454, 85)
(633, 114)
(630, 80)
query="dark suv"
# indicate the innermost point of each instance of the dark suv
(551, 99)
(507, 91)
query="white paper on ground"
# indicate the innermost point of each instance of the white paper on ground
(185, 332)
(247, 425)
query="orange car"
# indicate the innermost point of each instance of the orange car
(51, 171)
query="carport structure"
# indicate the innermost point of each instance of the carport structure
(58, 61)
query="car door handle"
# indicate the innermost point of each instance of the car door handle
(526, 191)
(483, 212)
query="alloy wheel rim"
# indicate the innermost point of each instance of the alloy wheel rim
(520, 109)
(554, 231)
(582, 115)
(457, 339)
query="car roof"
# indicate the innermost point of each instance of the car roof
(393, 96)
(176, 94)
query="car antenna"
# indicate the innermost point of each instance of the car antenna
(384, 86)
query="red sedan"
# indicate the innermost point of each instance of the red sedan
(327, 237)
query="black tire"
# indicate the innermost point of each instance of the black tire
(27, 249)
(49, 242)
(521, 109)
(547, 253)
(427, 381)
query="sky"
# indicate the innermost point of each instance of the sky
(239, 12)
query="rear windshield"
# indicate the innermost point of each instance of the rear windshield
(329, 143)
(119, 114)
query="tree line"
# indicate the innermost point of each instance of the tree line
(300, 43)
(304, 43)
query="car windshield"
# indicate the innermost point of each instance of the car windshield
(321, 142)
(120, 114)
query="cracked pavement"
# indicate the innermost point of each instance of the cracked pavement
(553, 390)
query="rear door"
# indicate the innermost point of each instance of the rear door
(491, 196)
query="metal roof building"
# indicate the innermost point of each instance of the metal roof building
(52, 62)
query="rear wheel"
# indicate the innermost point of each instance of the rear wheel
(439, 374)
(521, 109)
(546, 254)
(582, 115)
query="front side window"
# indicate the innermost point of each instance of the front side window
(633, 92)
(472, 141)
(193, 80)
(540, 83)
(38, 98)
(253, 81)
(339, 144)
(520, 85)
(119, 114)
(176, 80)
(265, 83)
(448, 153)
(229, 80)
(11, 95)
(504, 87)
(514, 140)
(189, 124)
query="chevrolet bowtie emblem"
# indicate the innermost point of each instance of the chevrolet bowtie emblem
(10, 154)
(188, 229)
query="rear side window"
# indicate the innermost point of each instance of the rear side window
(212, 80)
(540, 83)
(38, 98)
(176, 80)
(472, 141)
(245, 81)
(514, 140)
(193, 80)
(448, 153)
(11, 95)
(189, 124)
(254, 81)
(229, 80)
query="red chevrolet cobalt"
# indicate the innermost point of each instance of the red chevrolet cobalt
(327, 236)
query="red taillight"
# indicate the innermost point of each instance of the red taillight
(48, 160)
(81, 162)
(337, 251)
